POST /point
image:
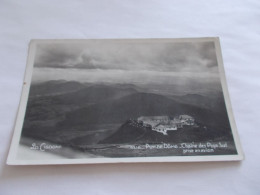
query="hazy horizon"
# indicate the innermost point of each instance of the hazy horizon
(188, 65)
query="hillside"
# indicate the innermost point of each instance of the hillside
(99, 113)
(215, 102)
(54, 87)
(139, 104)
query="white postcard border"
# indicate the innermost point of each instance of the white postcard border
(11, 160)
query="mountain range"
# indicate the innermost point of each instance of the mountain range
(73, 113)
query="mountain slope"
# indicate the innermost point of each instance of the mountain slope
(54, 87)
(215, 103)
(44, 107)
(66, 117)
(93, 94)
(135, 105)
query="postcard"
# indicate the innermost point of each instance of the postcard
(122, 101)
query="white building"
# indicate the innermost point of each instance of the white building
(177, 122)
(164, 128)
(186, 119)
(153, 118)
(162, 124)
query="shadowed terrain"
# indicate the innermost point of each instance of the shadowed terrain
(75, 114)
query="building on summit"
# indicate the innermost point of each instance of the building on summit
(163, 124)
(186, 120)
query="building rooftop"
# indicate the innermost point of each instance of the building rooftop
(186, 116)
(153, 118)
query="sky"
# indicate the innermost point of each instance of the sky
(137, 62)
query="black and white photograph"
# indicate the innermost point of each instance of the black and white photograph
(124, 100)
(129, 97)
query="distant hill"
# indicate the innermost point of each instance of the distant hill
(145, 104)
(64, 112)
(215, 102)
(135, 105)
(54, 87)
(128, 134)
(49, 106)
(93, 94)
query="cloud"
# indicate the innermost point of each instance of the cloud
(128, 56)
